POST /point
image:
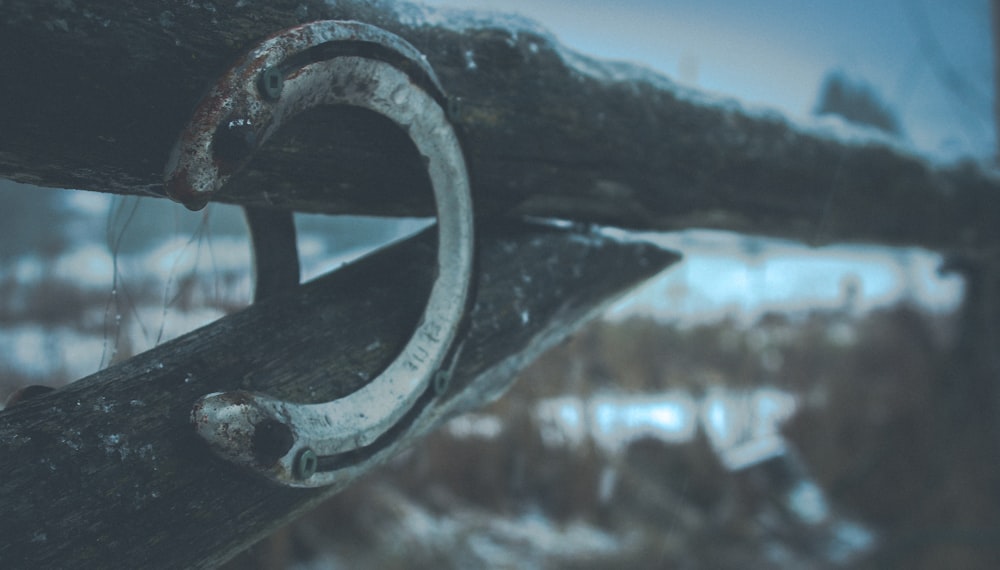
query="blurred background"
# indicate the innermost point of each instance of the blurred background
(761, 405)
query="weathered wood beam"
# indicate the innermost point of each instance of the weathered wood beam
(95, 94)
(108, 472)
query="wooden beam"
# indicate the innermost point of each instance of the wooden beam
(108, 470)
(94, 98)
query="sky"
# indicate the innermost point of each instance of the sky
(930, 61)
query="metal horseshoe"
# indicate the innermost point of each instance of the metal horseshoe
(331, 63)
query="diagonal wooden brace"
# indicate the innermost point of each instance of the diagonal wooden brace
(109, 469)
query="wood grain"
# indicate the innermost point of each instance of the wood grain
(95, 98)
(107, 472)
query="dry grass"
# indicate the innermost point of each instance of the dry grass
(874, 429)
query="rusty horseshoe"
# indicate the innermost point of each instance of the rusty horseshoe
(331, 63)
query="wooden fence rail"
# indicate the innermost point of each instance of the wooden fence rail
(96, 96)
(107, 472)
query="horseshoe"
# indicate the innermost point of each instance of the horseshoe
(332, 63)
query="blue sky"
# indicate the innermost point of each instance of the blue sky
(931, 61)
(771, 53)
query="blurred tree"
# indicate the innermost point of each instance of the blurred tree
(856, 102)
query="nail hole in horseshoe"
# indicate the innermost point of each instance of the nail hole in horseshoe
(271, 441)
(306, 464)
(270, 83)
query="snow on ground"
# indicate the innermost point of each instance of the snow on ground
(726, 275)
(774, 55)
(142, 273)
